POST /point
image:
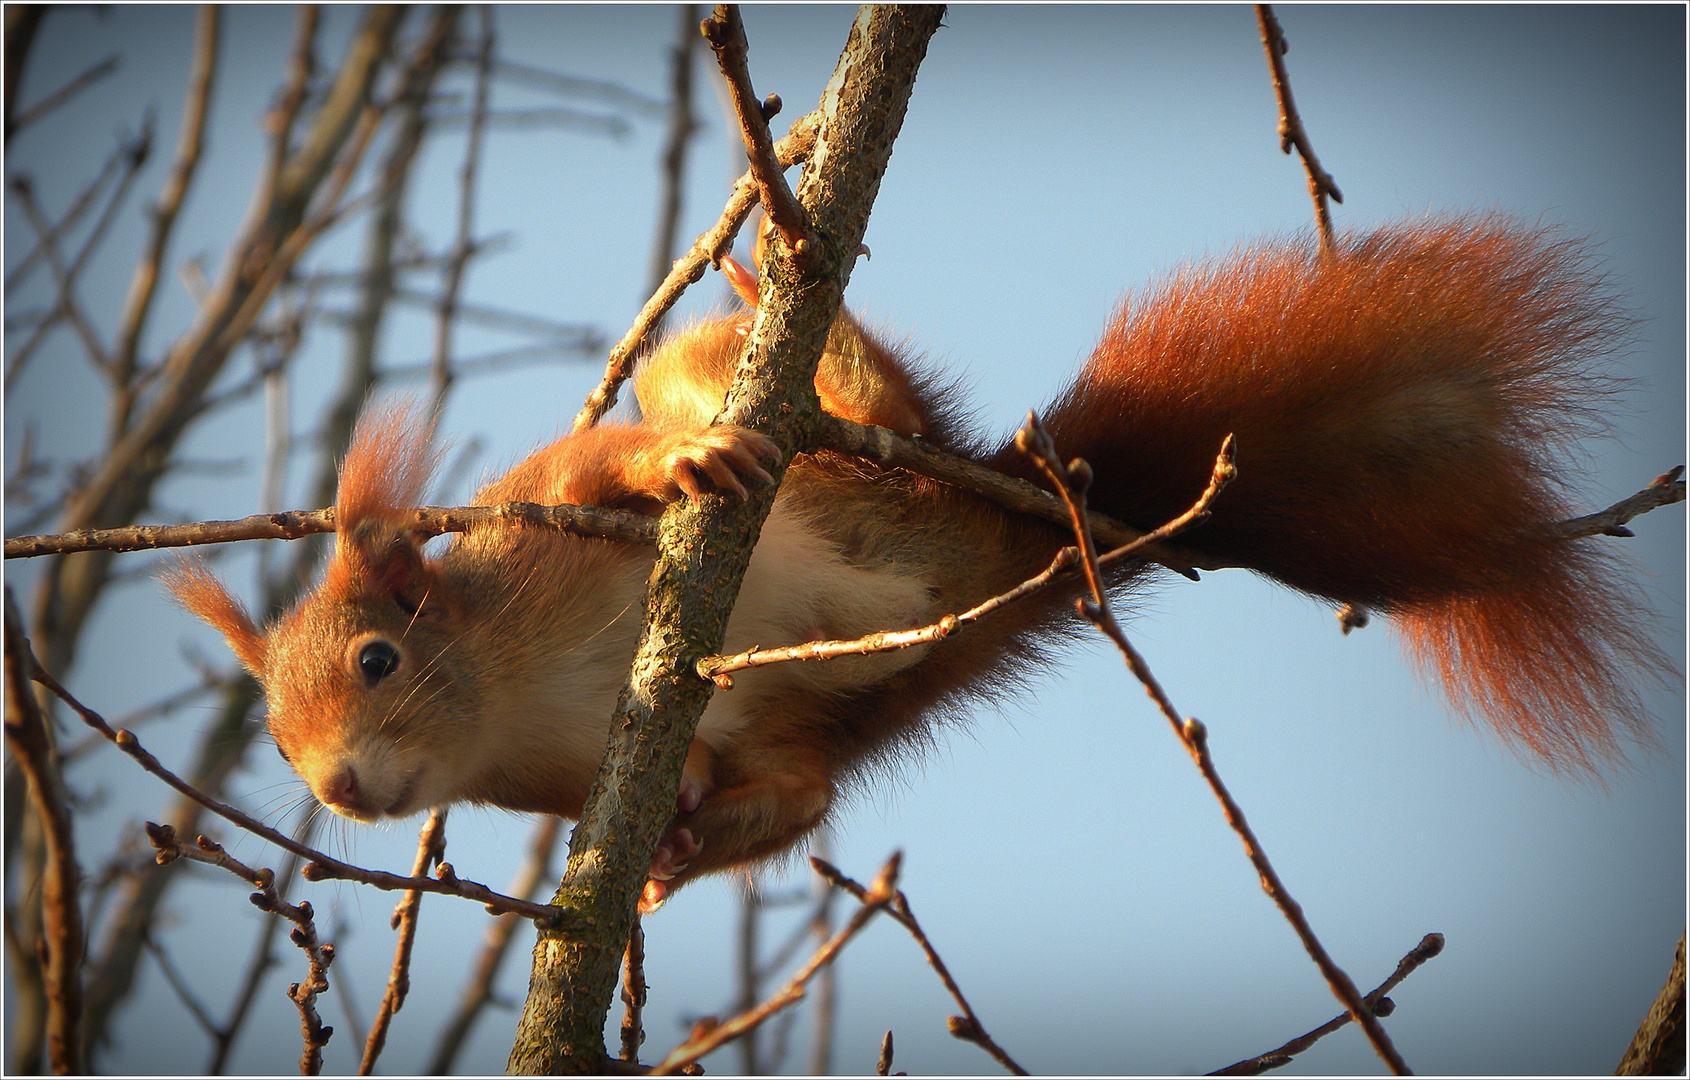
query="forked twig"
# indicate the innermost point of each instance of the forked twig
(967, 1026)
(1376, 1001)
(726, 35)
(719, 668)
(304, 934)
(708, 248)
(707, 1035)
(1071, 482)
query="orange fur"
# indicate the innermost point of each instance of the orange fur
(1400, 414)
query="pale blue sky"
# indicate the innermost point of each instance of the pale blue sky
(1062, 853)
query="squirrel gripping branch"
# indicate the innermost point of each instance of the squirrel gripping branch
(1401, 412)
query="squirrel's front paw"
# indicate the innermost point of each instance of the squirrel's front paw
(720, 458)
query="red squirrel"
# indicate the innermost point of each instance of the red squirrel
(1400, 412)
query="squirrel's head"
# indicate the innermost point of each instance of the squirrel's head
(362, 679)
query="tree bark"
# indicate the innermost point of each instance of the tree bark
(704, 549)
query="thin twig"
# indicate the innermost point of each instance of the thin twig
(464, 249)
(726, 34)
(320, 866)
(319, 954)
(478, 991)
(294, 524)
(190, 141)
(263, 957)
(516, 322)
(301, 64)
(66, 305)
(707, 1036)
(894, 451)
(588, 344)
(1664, 490)
(63, 94)
(184, 992)
(682, 125)
(30, 743)
(431, 849)
(707, 249)
(134, 153)
(967, 1026)
(750, 985)
(1376, 1001)
(1291, 132)
(826, 1007)
(572, 86)
(1071, 482)
(718, 668)
(79, 207)
(633, 993)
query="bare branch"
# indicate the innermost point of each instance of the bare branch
(1071, 482)
(66, 306)
(263, 958)
(189, 144)
(31, 746)
(682, 125)
(726, 34)
(1291, 132)
(293, 524)
(63, 94)
(184, 992)
(1658, 1047)
(22, 21)
(708, 1035)
(320, 866)
(528, 119)
(536, 869)
(320, 954)
(431, 849)
(719, 668)
(633, 994)
(894, 451)
(571, 86)
(967, 1026)
(84, 200)
(1664, 490)
(707, 249)
(1376, 1001)
(464, 249)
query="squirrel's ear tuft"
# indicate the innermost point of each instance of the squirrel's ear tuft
(386, 467)
(198, 590)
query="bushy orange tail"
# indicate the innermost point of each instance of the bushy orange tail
(1401, 414)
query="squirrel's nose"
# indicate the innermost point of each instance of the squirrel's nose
(340, 790)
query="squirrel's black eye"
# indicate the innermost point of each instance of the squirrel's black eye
(377, 660)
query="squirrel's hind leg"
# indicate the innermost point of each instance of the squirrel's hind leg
(773, 798)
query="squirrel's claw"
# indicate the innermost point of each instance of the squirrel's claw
(720, 458)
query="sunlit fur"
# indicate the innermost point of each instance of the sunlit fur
(1402, 417)
(1400, 413)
